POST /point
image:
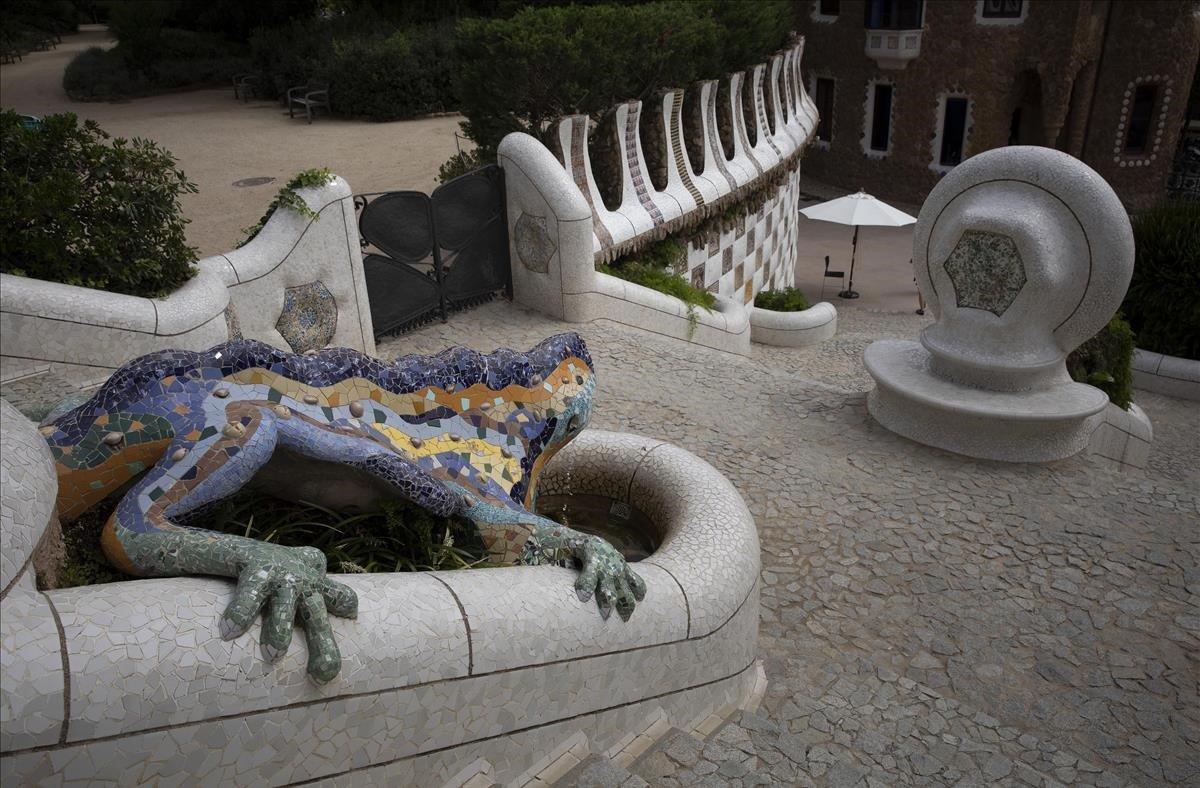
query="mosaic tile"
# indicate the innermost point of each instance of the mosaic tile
(533, 243)
(986, 270)
(309, 317)
(458, 433)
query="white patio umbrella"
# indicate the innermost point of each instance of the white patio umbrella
(857, 209)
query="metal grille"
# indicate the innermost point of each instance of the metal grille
(425, 256)
(1184, 181)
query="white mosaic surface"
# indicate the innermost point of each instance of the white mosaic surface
(793, 329)
(31, 692)
(156, 695)
(758, 252)
(1049, 255)
(1170, 375)
(67, 327)
(29, 487)
(152, 652)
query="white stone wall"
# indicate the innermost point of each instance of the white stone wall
(758, 253)
(88, 333)
(488, 669)
(560, 228)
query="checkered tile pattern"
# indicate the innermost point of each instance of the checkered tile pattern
(758, 254)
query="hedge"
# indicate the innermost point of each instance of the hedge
(520, 73)
(401, 76)
(78, 208)
(1163, 301)
(178, 59)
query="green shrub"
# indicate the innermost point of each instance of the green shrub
(789, 299)
(79, 209)
(460, 164)
(521, 73)
(654, 267)
(402, 76)
(1163, 301)
(1106, 362)
(177, 59)
(99, 75)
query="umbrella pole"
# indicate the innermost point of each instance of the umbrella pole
(849, 291)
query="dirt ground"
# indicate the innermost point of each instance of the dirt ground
(219, 141)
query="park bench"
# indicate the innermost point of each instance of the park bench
(244, 84)
(312, 97)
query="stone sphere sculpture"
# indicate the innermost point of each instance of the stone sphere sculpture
(1023, 253)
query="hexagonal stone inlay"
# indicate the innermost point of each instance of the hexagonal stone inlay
(309, 317)
(986, 270)
(534, 245)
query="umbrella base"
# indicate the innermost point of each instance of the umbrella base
(848, 294)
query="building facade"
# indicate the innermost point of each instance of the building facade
(907, 89)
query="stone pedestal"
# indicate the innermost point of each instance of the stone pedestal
(1023, 253)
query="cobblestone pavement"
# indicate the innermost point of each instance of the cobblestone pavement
(926, 618)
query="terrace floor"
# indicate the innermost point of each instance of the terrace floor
(927, 618)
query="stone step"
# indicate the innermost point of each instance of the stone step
(600, 771)
(748, 749)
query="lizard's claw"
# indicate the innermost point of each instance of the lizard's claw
(605, 574)
(284, 581)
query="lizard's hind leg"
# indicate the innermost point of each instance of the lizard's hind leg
(143, 536)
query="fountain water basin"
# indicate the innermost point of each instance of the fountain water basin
(445, 675)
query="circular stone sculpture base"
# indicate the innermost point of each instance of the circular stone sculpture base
(1023, 426)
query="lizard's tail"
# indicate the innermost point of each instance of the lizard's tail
(113, 452)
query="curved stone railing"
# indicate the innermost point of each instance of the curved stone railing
(1163, 374)
(484, 670)
(561, 228)
(298, 277)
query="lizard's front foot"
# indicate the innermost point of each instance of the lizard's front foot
(605, 573)
(287, 580)
(603, 570)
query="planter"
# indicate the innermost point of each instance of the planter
(1170, 375)
(444, 674)
(298, 284)
(793, 329)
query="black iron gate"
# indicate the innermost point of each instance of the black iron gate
(425, 256)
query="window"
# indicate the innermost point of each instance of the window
(954, 131)
(894, 14)
(1140, 117)
(1002, 9)
(829, 7)
(824, 109)
(881, 116)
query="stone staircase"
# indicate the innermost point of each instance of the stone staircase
(745, 750)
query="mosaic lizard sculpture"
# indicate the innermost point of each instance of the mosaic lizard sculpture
(458, 433)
